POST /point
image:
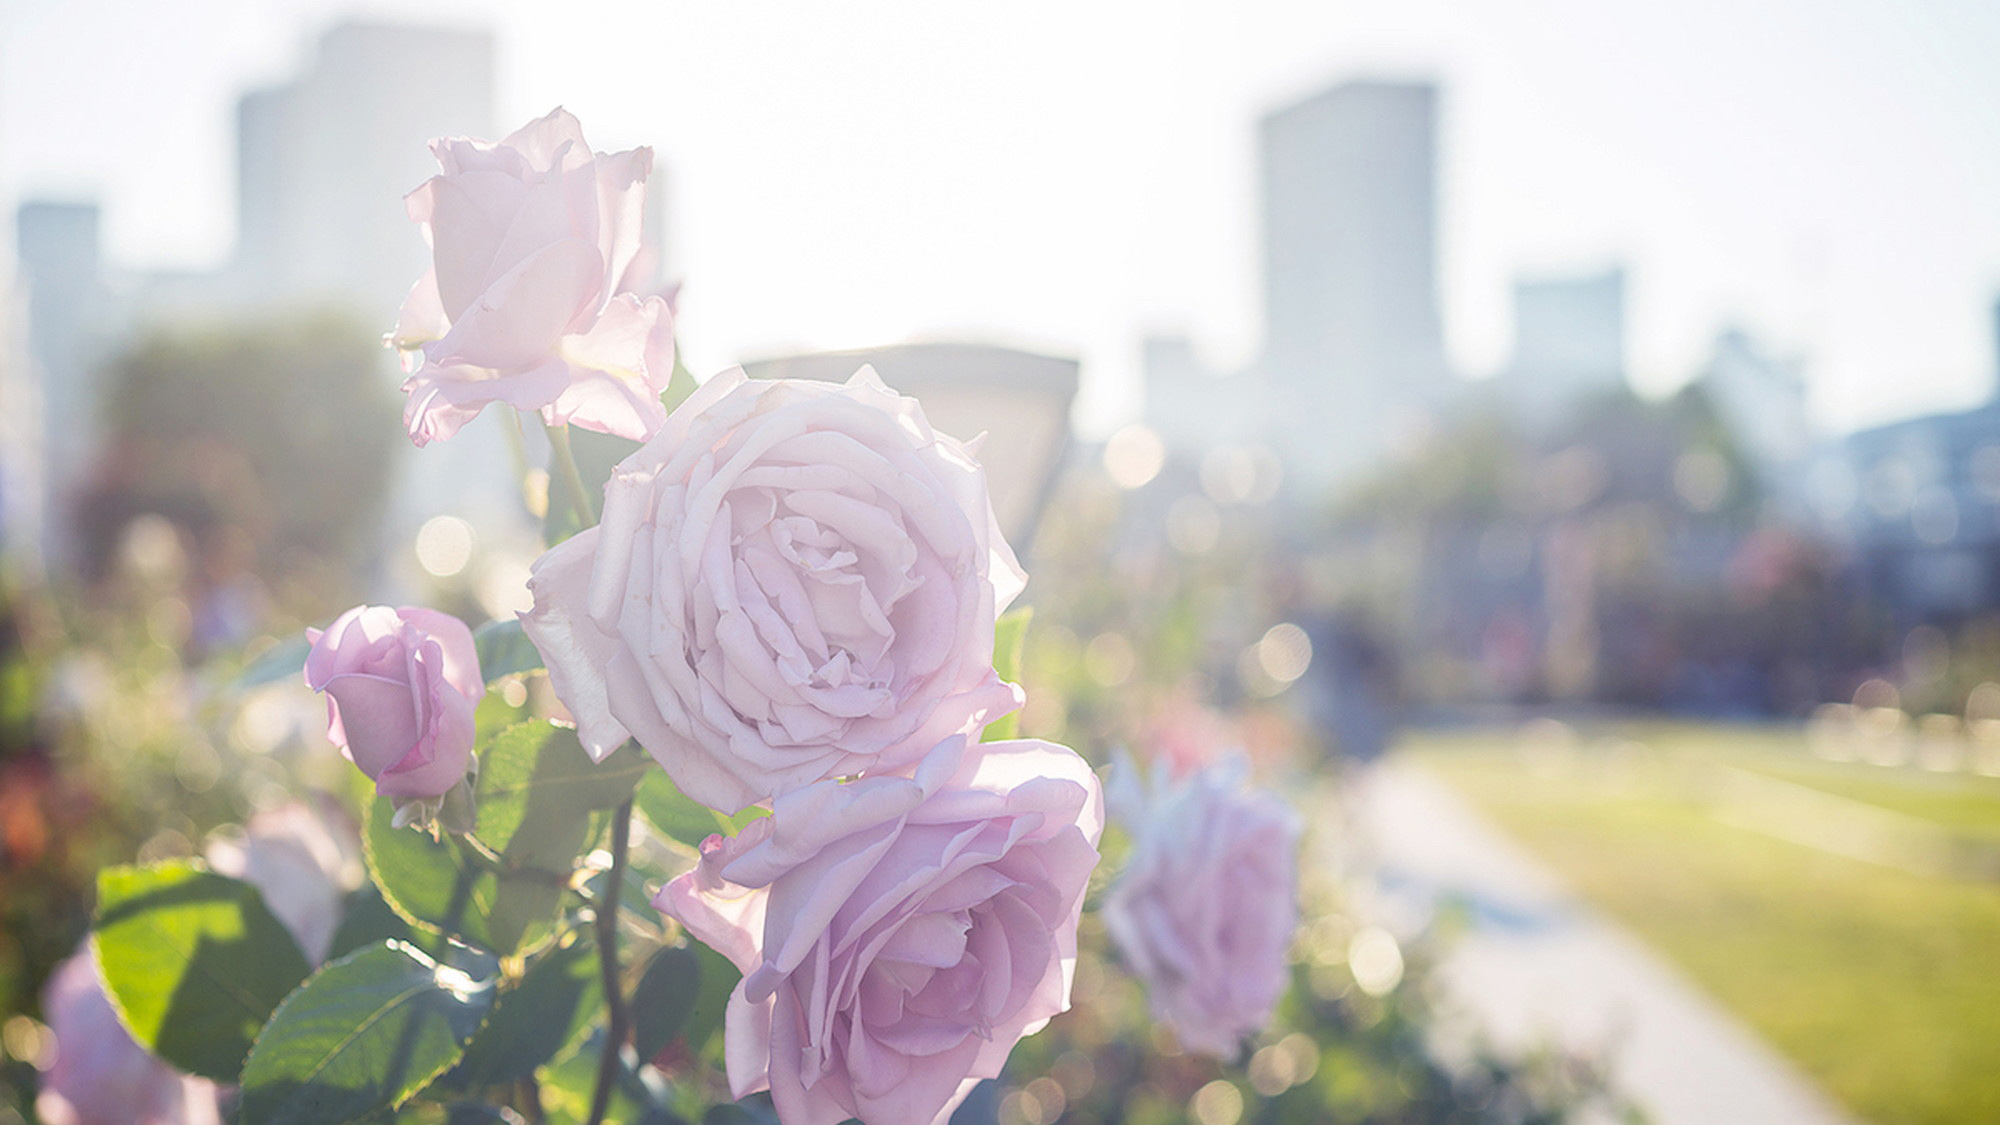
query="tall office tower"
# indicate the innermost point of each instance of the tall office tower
(1353, 351)
(1569, 344)
(69, 330)
(1761, 398)
(323, 162)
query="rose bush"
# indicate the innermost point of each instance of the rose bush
(532, 240)
(401, 686)
(793, 581)
(1205, 907)
(898, 935)
(302, 861)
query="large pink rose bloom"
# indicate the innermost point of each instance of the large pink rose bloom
(898, 935)
(532, 240)
(794, 580)
(401, 686)
(1205, 908)
(100, 1075)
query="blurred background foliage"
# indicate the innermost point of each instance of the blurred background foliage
(268, 447)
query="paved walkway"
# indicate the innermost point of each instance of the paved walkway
(1538, 967)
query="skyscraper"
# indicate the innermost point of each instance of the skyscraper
(324, 160)
(68, 331)
(1569, 344)
(1353, 351)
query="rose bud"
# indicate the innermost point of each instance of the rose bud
(401, 686)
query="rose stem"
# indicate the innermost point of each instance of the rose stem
(564, 462)
(607, 959)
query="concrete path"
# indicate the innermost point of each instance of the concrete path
(1539, 967)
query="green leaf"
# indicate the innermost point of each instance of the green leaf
(551, 1008)
(674, 813)
(664, 999)
(504, 650)
(447, 886)
(1010, 636)
(731, 825)
(714, 983)
(364, 1034)
(540, 797)
(366, 920)
(679, 385)
(479, 1113)
(636, 1098)
(494, 714)
(194, 960)
(285, 660)
(753, 1110)
(537, 787)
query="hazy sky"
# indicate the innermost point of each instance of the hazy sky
(1069, 173)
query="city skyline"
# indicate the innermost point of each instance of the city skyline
(1815, 174)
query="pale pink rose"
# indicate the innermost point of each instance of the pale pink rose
(1206, 905)
(898, 935)
(99, 1075)
(303, 860)
(401, 686)
(532, 240)
(794, 580)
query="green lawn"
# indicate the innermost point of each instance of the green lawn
(1882, 983)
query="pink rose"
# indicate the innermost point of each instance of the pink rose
(400, 685)
(898, 935)
(1206, 905)
(531, 241)
(100, 1075)
(794, 580)
(303, 861)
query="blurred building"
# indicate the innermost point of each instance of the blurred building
(1569, 345)
(1922, 510)
(70, 327)
(1018, 400)
(1762, 399)
(1194, 407)
(1926, 521)
(1353, 349)
(324, 161)
(21, 428)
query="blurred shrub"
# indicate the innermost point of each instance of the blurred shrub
(270, 444)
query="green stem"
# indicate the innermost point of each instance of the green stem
(562, 463)
(607, 959)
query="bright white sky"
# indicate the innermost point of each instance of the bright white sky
(1069, 173)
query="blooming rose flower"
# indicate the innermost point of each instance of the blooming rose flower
(531, 241)
(898, 935)
(100, 1075)
(303, 860)
(1206, 905)
(400, 685)
(794, 580)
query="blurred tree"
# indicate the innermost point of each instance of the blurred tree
(268, 445)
